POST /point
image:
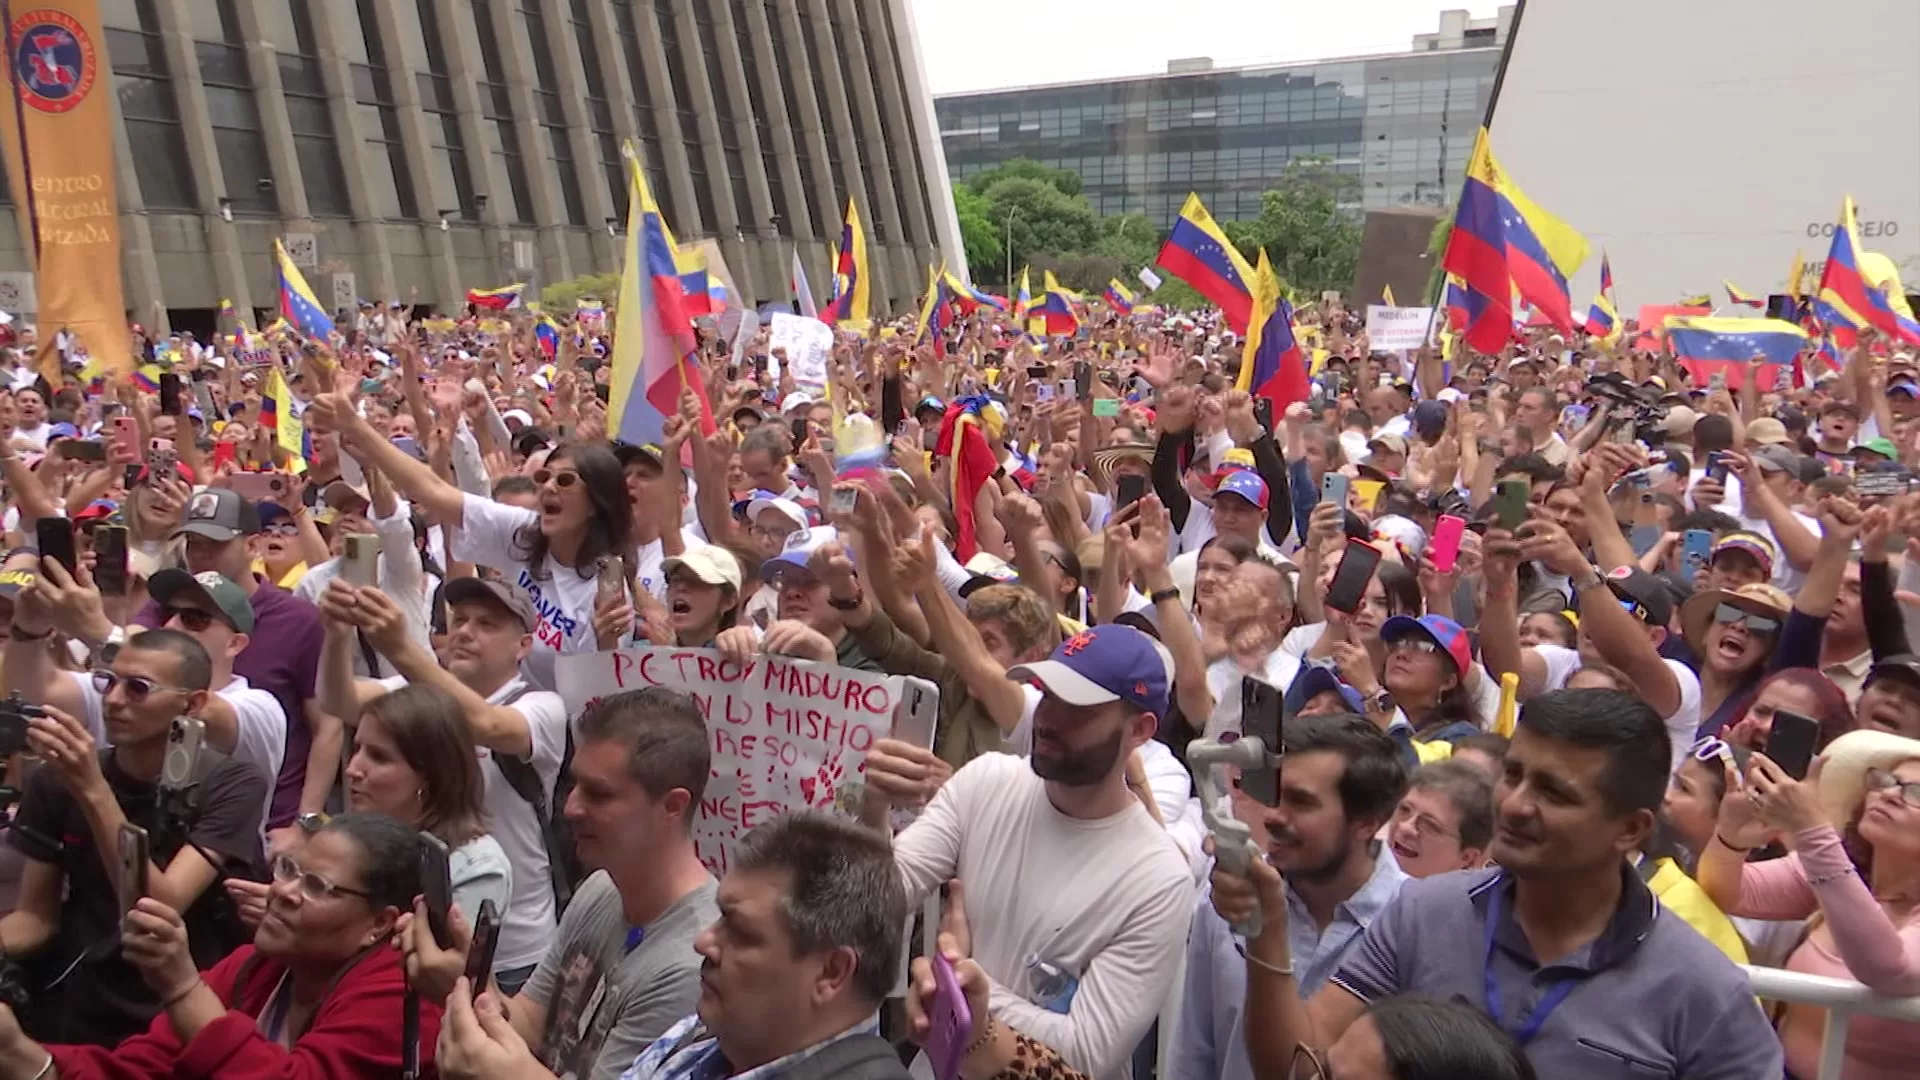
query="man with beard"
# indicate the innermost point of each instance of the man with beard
(1561, 944)
(1079, 900)
(622, 968)
(1339, 784)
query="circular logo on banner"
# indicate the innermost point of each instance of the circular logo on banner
(53, 60)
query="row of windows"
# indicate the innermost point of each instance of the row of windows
(653, 44)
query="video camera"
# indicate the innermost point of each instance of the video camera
(14, 713)
(1643, 416)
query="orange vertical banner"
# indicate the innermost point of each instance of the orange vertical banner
(58, 127)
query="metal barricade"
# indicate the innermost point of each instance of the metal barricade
(1842, 998)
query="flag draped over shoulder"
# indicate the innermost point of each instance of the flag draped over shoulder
(1198, 252)
(298, 305)
(653, 342)
(967, 433)
(1271, 364)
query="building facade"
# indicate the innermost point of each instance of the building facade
(415, 148)
(1403, 124)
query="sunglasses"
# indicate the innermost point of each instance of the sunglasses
(138, 686)
(559, 479)
(312, 885)
(1882, 780)
(1727, 615)
(280, 528)
(1712, 748)
(1419, 645)
(193, 620)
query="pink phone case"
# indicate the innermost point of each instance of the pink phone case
(1447, 530)
(950, 1021)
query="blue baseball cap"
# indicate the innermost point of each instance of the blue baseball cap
(1449, 636)
(1246, 484)
(1105, 663)
(1314, 680)
(62, 430)
(798, 552)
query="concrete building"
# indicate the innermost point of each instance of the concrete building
(415, 148)
(1402, 123)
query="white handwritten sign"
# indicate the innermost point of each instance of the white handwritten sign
(808, 343)
(786, 734)
(1396, 329)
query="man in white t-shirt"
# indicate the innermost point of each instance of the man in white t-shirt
(1079, 901)
(490, 631)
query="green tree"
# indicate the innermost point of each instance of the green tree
(1040, 218)
(978, 233)
(1066, 180)
(1437, 249)
(561, 296)
(1129, 239)
(1312, 239)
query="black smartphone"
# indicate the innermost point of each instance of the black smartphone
(486, 938)
(1083, 379)
(436, 890)
(110, 559)
(1128, 490)
(1717, 467)
(1349, 585)
(1036, 371)
(1260, 707)
(83, 450)
(170, 394)
(1263, 412)
(55, 535)
(1790, 742)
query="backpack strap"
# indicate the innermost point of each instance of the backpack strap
(524, 779)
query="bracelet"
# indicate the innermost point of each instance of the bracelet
(182, 995)
(1270, 966)
(1731, 847)
(1826, 879)
(18, 634)
(1163, 594)
(980, 1040)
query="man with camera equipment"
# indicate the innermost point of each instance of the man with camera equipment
(200, 811)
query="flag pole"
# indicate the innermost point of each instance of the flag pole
(20, 129)
(1486, 119)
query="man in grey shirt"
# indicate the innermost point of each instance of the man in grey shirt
(622, 968)
(1562, 946)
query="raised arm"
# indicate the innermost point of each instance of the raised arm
(956, 639)
(411, 478)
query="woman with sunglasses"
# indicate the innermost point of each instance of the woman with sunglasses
(318, 993)
(552, 553)
(414, 760)
(1854, 829)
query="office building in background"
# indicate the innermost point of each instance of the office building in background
(1403, 123)
(436, 145)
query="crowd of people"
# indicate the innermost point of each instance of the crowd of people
(1580, 679)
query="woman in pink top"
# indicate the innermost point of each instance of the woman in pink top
(1863, 887)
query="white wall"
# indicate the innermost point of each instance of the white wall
(1697, 140)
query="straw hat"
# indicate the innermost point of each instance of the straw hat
(1843, 770)
(1696, 615)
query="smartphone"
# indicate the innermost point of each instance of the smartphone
(1037, 371)
(1510, 502)
(258, 487)
(1333, 489)
(126, 435)
(1105, 407)
(55, 535)
(224, 455)
(162, 460)
(1261, 704)
(360, 562)
(1043, 391)
(949, 1021)
(917, 711)
(1349, 585)
(436, 889)
(110, 559)
(170, 395)
(180, 766)
(83, 450)
(1082, 379)
(1130, 489)
(1717, 467)
(1790, 742)
(132, 868)
(486, 938)
(845, 497)
(1696, 547)
(1263, 412)
(1445, 547)
(799, 432)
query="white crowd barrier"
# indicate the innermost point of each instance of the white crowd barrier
(1842, 998)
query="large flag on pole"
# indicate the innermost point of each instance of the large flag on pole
(653, 342)
(1199, 253)
(853, 304)
(1271, 364)
(298, 305)
(58, 126)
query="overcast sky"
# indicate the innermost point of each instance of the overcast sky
(985, 44)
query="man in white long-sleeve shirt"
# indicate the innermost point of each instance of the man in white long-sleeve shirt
(1079, 901)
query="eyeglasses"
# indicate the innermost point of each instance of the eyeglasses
(1424, 824)
(1727, 614)
(1882, 780)
(138, 686)
(1413, 644)
(193, 619)
(779, 533)
(1308, 1065)
(559, 479)
(312, 886)
(280, 528)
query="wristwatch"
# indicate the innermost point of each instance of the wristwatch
(1589, 580)
(852, 604)
(1380, 700)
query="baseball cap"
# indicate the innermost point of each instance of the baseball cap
(1102, 664)
(341, 495)
(1430, 418)
(1392, 444)
(1680, 420)
(794, 401)
(1315, 680)
(464, 590)
(219, 514)
(627, 453)
(1880, 445)
(800, 546)
(767, 500)
(1644, 592)
(217, 589)
(1442, 631)
(12, 581)
(930, 403)
(1775, 457)
(1905, 665)
(1766, 430)
(1246, 484)
(62, 430)
(97, 510)
(1903, 386)
(1758, 547)
(710, 563)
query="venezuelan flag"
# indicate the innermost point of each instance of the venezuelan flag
(547, 333)
(1055, 309)
(1025, 303)
(1271, 364)
(500, 299)
(298, 305)
(1707, 345)
(271, 395)
(936, 313)
(1118, 298)
(963, 443)
(1476, 256)
(1386, 296)
(716, 294)
(1696, 300)
(853, 303)
(1457, 304)
(1542, 251)
(653, 338)
(586, 310)
(1738, 297)
(969, 298)
(1606, 275)
(1603, 322)
(1199, 253)
(147, 377)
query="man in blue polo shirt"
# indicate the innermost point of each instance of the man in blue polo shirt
(1562, 945)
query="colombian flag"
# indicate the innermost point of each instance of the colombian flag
(653, 337)
(298, 305)
(1199, 253)
(1055, 309)
(1271, 364)
(500, 299)
(1118, 298)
